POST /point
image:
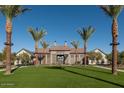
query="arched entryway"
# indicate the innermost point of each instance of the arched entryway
(60, 58)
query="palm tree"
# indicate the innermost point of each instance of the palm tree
(113, 11)
(45, 46)
(85, 34)
(10, 11)
(75, 44)
(37, 34)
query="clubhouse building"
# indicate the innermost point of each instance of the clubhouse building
(61, 54)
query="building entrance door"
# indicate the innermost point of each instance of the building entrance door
(60, 59)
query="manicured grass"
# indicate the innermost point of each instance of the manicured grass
(62, 77)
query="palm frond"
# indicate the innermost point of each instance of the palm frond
(11, 11)
(85, 33)
(41, 33)
(89, 31)
(75, 44)
(37, 34)
(116, 10)
(112, 10)
(106, 9)
(44, 44)
(32, 32)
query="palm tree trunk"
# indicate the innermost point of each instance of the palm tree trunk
(8, 45)
(85, 53)
(114, 46)
(36, 53)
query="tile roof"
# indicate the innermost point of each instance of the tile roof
(79, 50)
(61, 48)
(41, 50)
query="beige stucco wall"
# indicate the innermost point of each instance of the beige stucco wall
(52, 57)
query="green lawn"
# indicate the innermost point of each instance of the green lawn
(65, 77)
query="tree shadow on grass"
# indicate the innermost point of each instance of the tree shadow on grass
(85, 68)
(106, 81)
(54, 67)
(13, 70)
(84, 75)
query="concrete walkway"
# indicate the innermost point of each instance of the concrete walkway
(93, 66)
(5, 69)
(108, 68)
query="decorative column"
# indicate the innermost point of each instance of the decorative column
(50, 58)
(74, 58)
(46, 58)
(69, 58)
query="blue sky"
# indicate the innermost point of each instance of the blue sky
(61, 23)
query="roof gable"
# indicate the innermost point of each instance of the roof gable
(100, 51)
(23, 49)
